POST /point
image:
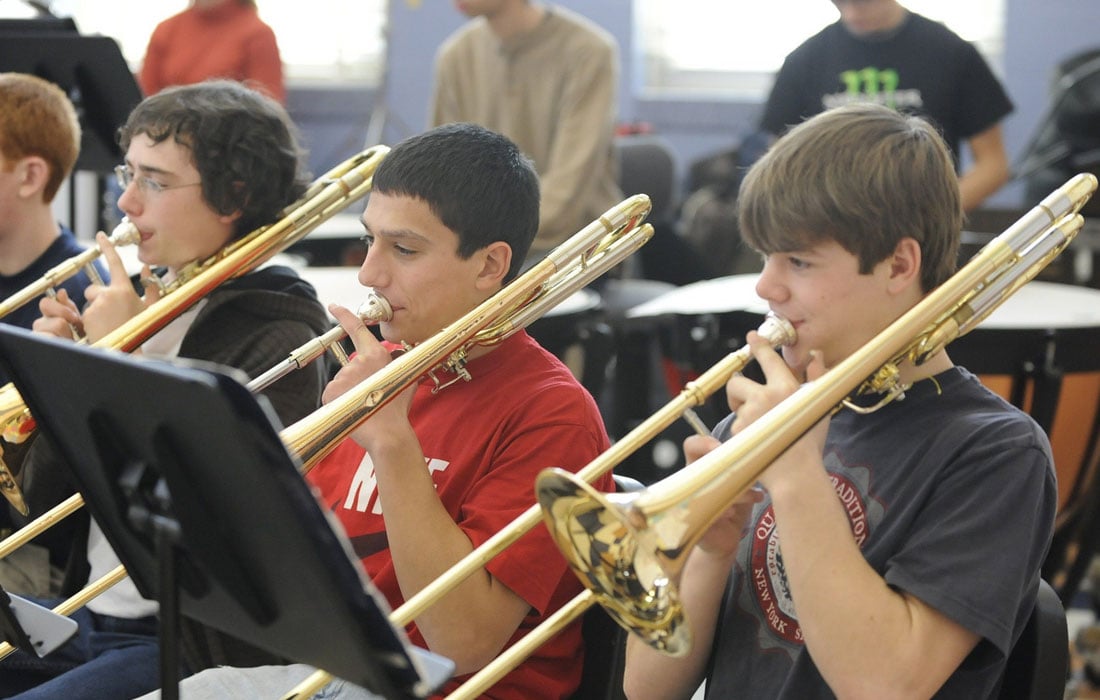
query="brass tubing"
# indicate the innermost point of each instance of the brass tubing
(124, 234)
(40, 524)
(374, 310)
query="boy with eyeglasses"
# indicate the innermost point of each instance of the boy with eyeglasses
(205, 165)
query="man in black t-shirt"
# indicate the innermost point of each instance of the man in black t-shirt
(878, 51)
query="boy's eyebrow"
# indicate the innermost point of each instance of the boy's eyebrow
(395, 234)
(148, 169)
(802, 250)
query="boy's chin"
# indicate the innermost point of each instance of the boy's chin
(796, 360)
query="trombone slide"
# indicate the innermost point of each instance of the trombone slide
(374, 310)
(124, 234)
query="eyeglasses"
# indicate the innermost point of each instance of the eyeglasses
(125, 175)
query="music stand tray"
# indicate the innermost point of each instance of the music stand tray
(151, 442)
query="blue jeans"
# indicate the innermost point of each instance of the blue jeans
(261, 682)
(109, 657)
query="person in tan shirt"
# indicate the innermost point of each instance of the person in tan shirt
(547, 79)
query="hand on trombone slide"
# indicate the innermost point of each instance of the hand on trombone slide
(749, 400)
(109, 305)
(724, 534)
(370, 356)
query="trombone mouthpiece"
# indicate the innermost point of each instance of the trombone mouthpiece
(375, 309)
(777, 330)
(125, 233)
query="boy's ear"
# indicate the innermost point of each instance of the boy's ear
(32, 172)
(230, 218)
(905, 264)
(238, 186)
(496, 260)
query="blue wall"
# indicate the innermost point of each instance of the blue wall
(1038, 35)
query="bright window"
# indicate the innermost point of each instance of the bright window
(733, 49)
(320, 41)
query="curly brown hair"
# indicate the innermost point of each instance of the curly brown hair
(243, 144)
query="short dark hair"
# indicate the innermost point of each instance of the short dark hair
(865, 176)
(243, 144)
(476, 181)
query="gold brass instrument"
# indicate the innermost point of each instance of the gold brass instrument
(374, 310)
(629, 549)
(124, 234)
(332, 192)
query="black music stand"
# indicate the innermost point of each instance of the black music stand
(91, 71)
(184, 471)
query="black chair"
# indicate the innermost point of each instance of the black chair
(1038, 666)
(604, 641)
(1067, 140)
(604, 657)
(647, 165)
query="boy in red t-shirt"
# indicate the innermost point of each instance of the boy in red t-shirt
(434, 473)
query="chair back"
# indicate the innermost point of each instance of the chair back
(1038, 667)
(647, 165)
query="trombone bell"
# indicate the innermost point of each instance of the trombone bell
(606, 542)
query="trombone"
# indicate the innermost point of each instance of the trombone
(374, 310)
(332, 192)
(124, 234)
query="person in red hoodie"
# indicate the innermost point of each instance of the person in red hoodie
(214, 39)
